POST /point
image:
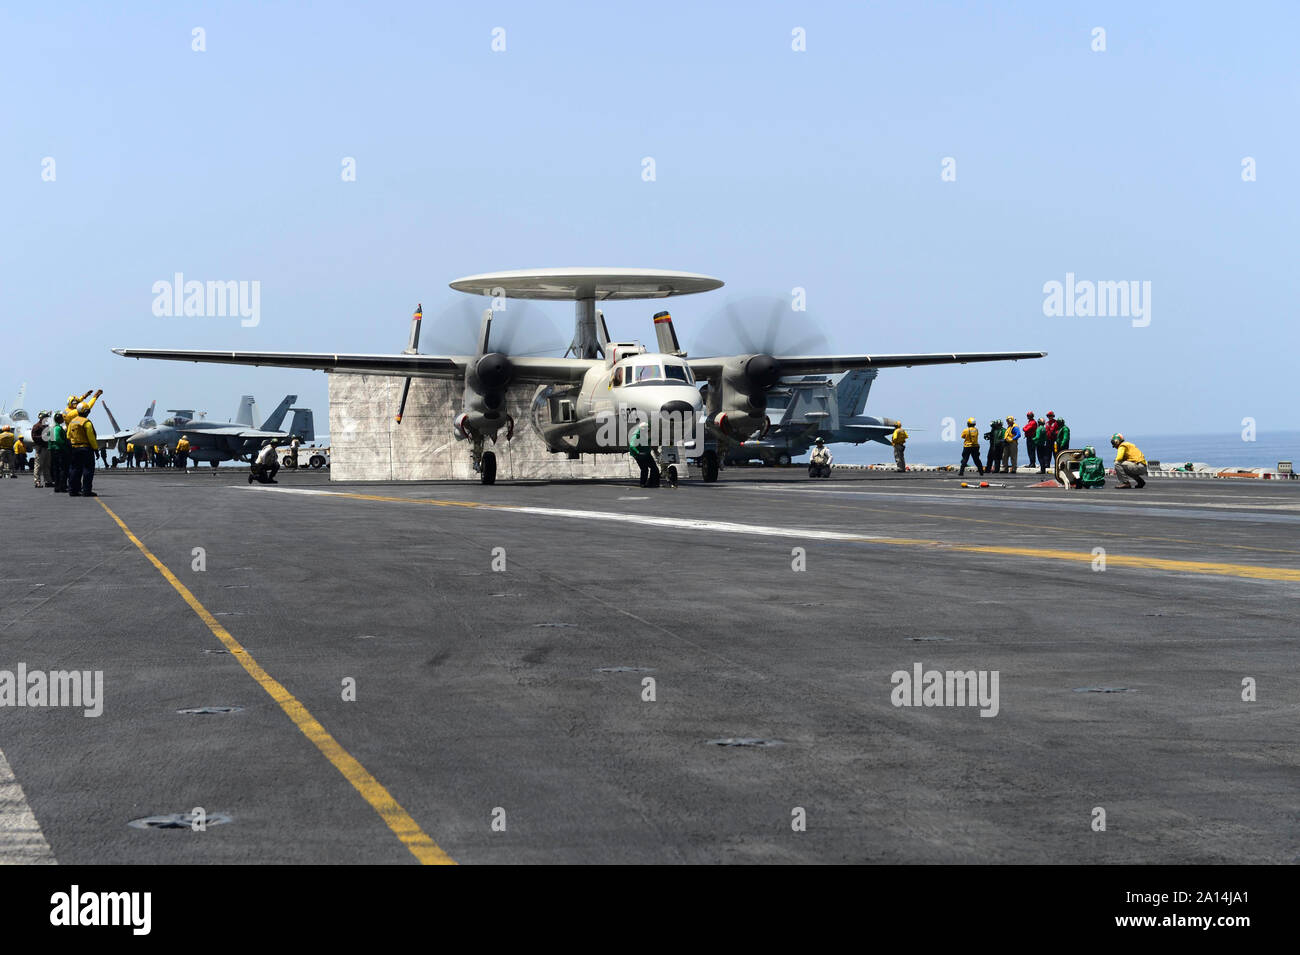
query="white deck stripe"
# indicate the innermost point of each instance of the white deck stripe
(21, 839)
(681, 523)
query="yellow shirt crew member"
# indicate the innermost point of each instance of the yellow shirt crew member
(74, 403)
(1128, 451)
(81, 433)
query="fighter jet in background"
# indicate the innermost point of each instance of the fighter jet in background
(815, 406)
(119, 437)
(217, 441)
(18, 418)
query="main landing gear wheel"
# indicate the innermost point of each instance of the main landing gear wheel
(670, 475)
(709, 465)
(783, 459)
(488, 468)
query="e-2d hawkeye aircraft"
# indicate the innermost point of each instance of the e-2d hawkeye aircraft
(217, 441)
(585, 399)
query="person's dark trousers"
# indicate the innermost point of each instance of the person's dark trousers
(995, 460)
(649, 470)
(972, 455)
(82, 477)
(182, 461)
(74, 472)
(59, 470)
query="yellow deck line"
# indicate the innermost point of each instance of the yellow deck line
(372, 790)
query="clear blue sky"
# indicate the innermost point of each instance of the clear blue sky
(775, 169)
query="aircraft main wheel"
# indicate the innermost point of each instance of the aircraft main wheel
(250, 477)
(670, 475)
(709, 465)
(317, 462)
(488, 468)
(783, 459)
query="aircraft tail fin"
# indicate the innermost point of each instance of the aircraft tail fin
(21, 400)
(602, 332)
(665, 334)
(111, 420)
(277, 416)
(303, 425)
(244, 415)
(852, 390)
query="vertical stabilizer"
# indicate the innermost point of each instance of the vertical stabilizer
(303, 425)
(277, 416)
(244, 415)
(852, 390)
(666, 335)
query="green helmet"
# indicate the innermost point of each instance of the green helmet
(1090, 452)
(1116, 440)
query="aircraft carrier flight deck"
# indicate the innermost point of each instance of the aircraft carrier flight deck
(595, 672)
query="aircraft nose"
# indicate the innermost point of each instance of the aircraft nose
(677, 419)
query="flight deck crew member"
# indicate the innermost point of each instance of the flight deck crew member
(1030, 431)
(88, 399)
(899, 440)
(994, 436)
(1130, 463)
(20, 455)
(970, 449)
(268, 462)
(1047, 445)
(293, 452)
(1010, 449)
(59, 453)
(6, 451)
(83, 445)
(641, 454)
(40, 438)
(1062, 435)
(183, 452)
(821, 457)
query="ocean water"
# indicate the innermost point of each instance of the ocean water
(1217, 450)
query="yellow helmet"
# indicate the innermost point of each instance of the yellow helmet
(1011, 419)
(970, 422)
(72, 400)
(83, 409)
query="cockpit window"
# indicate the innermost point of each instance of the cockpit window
(169, 422)
(678, 373)
(618, 376)
(648, 373)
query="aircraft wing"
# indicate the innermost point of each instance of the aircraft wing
(830, 364)
(247, 434)
(535, 370)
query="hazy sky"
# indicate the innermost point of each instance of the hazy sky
(774, 169)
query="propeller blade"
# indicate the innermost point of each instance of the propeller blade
(406, 389)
